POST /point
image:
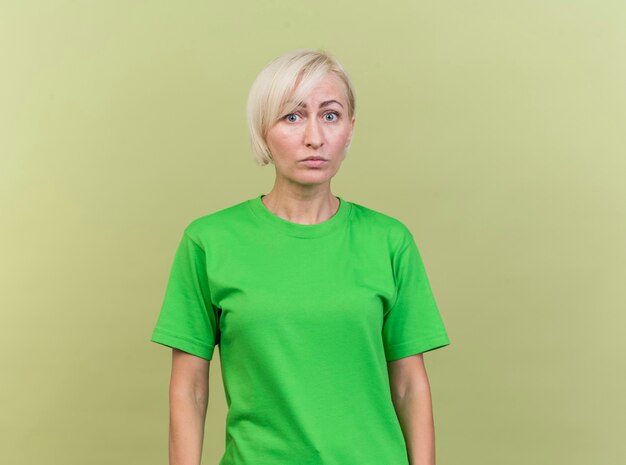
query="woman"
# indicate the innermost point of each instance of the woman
(321, 307)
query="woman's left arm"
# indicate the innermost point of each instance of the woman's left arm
(410, 393)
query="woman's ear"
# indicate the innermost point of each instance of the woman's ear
(346, 147)
(350, 136)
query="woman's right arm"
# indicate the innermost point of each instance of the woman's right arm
(189, 396)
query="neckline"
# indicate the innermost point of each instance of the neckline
(301, 230)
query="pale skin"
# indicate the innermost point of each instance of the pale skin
(410, 393)
(189, 397)
(321, 126)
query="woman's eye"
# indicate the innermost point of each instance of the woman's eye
(292, 117)
(331, 116)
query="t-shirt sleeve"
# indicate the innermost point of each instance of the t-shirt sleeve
(187, 320)
(413, 324)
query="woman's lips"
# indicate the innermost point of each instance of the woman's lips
(313, 162)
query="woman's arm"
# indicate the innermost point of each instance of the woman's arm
(189, 397)
(410, 391)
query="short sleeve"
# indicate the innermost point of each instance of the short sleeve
(187, 320)
(413, 324)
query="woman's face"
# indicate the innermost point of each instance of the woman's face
(319, 128)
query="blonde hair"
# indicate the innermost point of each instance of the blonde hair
(281, 86)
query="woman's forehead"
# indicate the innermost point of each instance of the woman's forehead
(327, 90)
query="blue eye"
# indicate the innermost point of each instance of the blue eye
(331, 114)
(291, 117)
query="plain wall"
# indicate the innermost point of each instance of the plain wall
(494, 129)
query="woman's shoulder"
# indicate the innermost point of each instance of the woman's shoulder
(391, 226)
(220, 221)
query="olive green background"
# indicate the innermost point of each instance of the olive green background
(494, 129)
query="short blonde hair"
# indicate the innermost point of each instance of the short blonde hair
(281, 86)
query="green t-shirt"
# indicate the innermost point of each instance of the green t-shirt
(306, 317)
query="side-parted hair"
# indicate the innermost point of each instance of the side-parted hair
(281, 86)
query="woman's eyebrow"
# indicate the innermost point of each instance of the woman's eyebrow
(323, 104)
(328, 102)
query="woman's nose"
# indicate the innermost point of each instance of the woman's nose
(313, 135)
